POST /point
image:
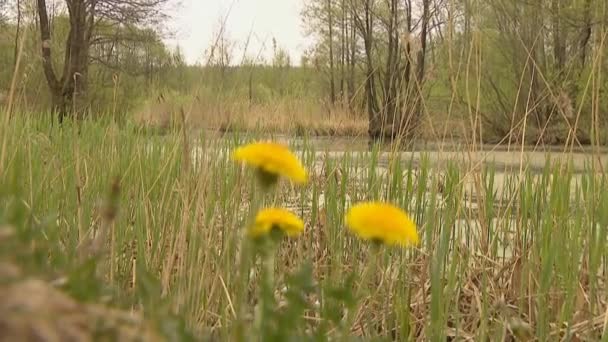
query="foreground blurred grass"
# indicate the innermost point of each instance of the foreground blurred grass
(525, 258)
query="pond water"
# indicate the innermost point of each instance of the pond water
(506, 158)
(510, 164)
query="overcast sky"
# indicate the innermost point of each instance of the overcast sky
(195, 22)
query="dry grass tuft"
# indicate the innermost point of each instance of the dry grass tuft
(296, 117)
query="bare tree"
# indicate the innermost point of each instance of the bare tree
(365, 25)
(536, 54)
(549, 56)
(393, 80)
(220, 54)
(412, 120)
(331, 23)
(85, 19)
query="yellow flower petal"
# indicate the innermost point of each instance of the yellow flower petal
(271, 218)
(273, 158)
(382, 222)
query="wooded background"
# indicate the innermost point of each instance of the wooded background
(508, 70)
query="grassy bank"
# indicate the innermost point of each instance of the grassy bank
(164, 226)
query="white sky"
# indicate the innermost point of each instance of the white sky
(195, 21)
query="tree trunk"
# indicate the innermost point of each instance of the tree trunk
(47, 63)
(352, 62)
(559, 45)
(365, 26)
(70, 89)
(17, 33)
(423, 40)
(408, 50)
(332, 81)
(409, 123)
(342, 52)
(391, 105)
(585, 34)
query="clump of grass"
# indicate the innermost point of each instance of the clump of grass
(503, 254)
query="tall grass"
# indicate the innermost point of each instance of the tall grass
(504, 253)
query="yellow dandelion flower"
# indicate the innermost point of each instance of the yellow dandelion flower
(382, 222)
(272, 160)
(276, 218)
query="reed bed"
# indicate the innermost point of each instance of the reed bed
(504, 255)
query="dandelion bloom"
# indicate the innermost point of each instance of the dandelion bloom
(276, 218)
(382, 222)
(272, 160)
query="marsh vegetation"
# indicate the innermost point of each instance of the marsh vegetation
(483, 121)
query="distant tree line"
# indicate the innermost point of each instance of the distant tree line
(511, 65)
(511, 70)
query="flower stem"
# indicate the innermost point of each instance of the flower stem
(367, 277)
(266, 305)
(245, 257)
